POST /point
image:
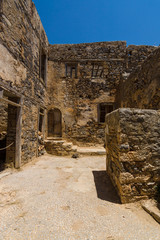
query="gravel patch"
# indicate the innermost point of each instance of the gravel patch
(65, 199)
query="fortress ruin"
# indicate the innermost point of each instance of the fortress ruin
(85, 93)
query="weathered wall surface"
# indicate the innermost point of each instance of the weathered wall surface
(99, 50)
(133, 151)
(136, 55)
(142, 88)
(99, 67)
(21, 39)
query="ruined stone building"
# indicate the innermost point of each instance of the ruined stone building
(57, 91)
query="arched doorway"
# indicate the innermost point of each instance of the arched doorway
(54, 123)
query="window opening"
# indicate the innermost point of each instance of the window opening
(130, 53)
(71, 70)
(43, 65)
(97, 71)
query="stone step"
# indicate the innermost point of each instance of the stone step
(59, 147)
(92, 151)
(63, 148)
(74, 148)
(67, 144)
(55, 141)
(54, 138)
(150, 206)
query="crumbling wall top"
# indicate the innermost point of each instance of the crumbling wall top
(98, 50)
(142, 88)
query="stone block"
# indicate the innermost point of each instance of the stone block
(133, 170)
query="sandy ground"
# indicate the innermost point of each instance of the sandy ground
(65, 198)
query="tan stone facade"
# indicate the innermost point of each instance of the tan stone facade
(133, 150)
(23, 88)
(142, 88)
(83, 81)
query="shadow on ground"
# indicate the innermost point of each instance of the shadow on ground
(104, 187)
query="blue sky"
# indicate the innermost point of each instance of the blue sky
(78, 21)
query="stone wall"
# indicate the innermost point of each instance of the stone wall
(142, 88)
(133, 151)
(99, 50)
(98, 68)
(96, 73)
(136, 55)
(22, 41)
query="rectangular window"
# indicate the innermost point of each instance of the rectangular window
(43, 65)
(103, 109)
(71, 70)
(97, 70)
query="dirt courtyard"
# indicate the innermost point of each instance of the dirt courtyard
(68, 199)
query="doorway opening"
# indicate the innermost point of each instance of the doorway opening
(54, 123)
(103, 109)
(10, 130)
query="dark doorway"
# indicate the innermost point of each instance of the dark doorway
(10, 130)
(3, 133)
(103, 109)
(54, 123)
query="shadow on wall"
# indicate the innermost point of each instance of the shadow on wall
(105, 188)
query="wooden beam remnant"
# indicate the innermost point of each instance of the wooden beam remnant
(9, 102)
